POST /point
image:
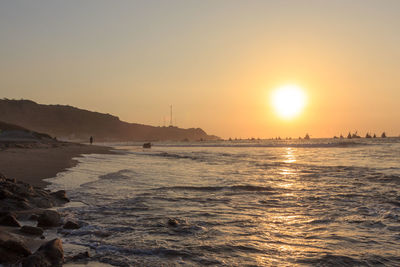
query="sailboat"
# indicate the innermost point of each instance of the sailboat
(349, 136)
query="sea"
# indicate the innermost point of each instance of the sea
(318, 202)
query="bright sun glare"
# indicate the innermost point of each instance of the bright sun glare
(288, 101)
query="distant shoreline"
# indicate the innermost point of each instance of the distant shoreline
(33, 164)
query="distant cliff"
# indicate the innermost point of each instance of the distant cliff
(66, 122)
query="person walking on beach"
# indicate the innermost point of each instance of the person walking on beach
(91, 140)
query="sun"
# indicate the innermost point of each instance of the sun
(289, 101)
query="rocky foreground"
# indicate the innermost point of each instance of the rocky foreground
(24, 218)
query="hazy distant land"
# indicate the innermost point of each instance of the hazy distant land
(70, 123)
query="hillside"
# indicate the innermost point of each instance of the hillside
(14, 132)
(70, 123)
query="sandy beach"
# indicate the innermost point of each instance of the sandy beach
(32, 165)
(24, 203)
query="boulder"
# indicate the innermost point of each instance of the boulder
(43, 202)
(4, 193)
(24, 204)
(61, 195)
(16, 247)
(14, 181)
(34, 217)
(71, 225)
(49, 218)
(173, 222)
(31, 230)
(24, 190)
(49, 254)
(54, 251)
(11, 251)
(81, 256)
(9, 220)
(36, 260)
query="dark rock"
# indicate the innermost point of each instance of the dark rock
(34, 217)
(81, 256)
(43, 202)
(4, 213)
(24, 204)
(36, 260)
(9, 220)
(49, 254)
(49, 218)
(16, 247)
(61, 195)
(42, 192)
(12, 251)
(173, 222)
(24, 190)
(71, 225)
(31, 230)
(4, 193)
(54, 251)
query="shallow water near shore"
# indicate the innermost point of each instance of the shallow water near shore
(317, 202)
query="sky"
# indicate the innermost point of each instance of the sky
(216, 62)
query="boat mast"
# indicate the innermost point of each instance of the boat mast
(170, 122)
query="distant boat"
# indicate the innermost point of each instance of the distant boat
(383, 135)
(307, 137)
(147, 145)
(368, 135)
(335, 137)
(349, 136)
(355, 135)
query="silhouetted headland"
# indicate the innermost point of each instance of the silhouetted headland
(70, 123)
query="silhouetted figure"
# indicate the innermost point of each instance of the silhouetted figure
(307, 137)
(91, 140)
(368, 135)
(383, 135)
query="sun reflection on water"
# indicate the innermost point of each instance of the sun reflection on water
(288, 172)
(290, 157)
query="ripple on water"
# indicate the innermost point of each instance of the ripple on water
(243, 206)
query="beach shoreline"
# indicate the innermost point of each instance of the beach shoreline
(25, 199)
(33, 164)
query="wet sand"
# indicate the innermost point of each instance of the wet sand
(32, 165)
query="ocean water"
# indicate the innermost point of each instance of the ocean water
(319, 202)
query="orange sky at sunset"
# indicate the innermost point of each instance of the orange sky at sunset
(216, 62)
